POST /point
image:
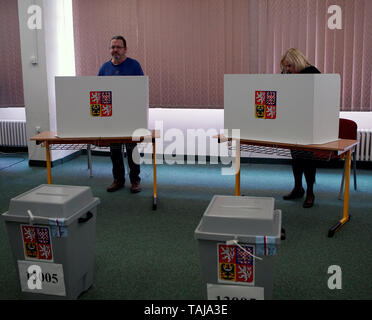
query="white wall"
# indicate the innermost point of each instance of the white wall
(38, 78)
(12, 114)
(176, 124)
(34, 78)
(363, 119)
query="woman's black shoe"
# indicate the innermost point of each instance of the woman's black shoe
(295, 194)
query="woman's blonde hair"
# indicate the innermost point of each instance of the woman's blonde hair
(296, 58)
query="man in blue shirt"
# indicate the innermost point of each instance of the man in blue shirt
(121, 65)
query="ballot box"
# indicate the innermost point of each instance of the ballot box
(110, 106)
(288, 108)
(52, 234)
(237, 241)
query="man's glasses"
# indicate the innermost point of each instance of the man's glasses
(116, 47)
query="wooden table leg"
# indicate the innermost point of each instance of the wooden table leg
(155, 199)
(345, 216)
(237, 168)
(48, 163)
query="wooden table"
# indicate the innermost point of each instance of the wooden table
(48, 138)
(333, 149)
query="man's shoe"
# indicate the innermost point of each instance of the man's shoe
(135, 188)
(116, 185)
(309, 201)
(295, 194)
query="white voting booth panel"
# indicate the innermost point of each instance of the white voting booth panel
(110, 106)
(298, 109)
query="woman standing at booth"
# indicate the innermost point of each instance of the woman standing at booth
(294, 62)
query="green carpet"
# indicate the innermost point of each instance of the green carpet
(146, 254)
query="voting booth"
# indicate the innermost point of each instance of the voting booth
(110, 106)
(288, 108)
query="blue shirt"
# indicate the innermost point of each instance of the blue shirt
(129, 67)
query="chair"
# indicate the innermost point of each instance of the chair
(348, 130)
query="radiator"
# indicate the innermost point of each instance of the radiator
(13, 133)
(364, 148)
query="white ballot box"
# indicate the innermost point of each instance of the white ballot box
(289, 108)
(110, 106)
